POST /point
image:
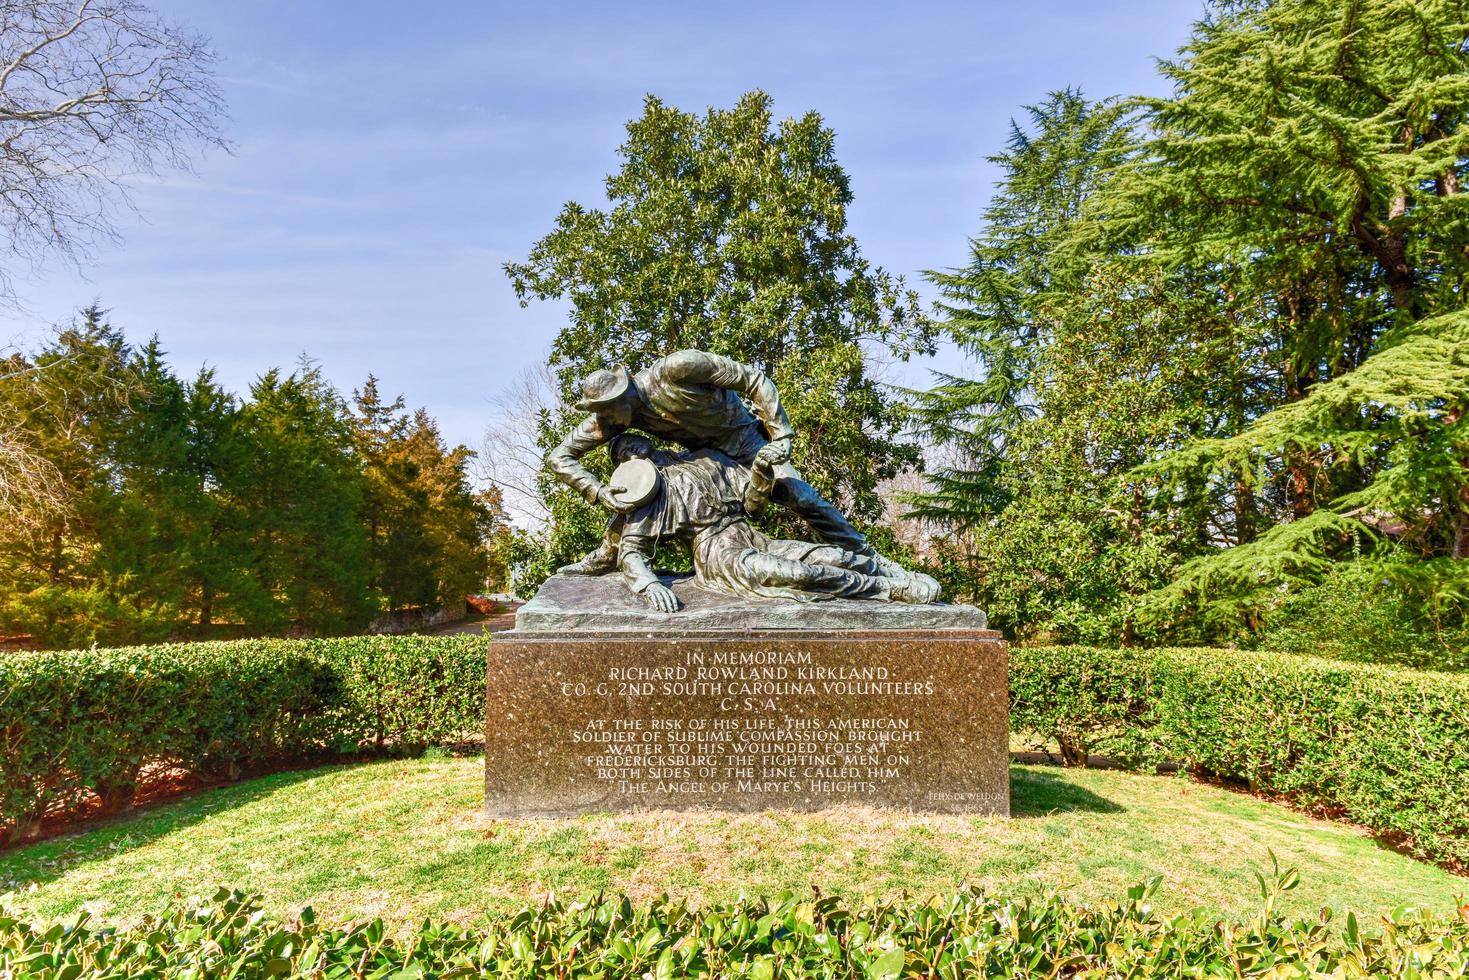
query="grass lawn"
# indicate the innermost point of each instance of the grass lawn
(405, 839)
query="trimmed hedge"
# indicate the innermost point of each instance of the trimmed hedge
(968, 935)
(80, 728)
(405, 693)
(1384, 747)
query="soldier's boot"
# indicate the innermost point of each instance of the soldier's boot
(888, 568)
(919, 589)
(599, 562)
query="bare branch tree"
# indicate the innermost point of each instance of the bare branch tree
(510, 458)
(92, 92)
(31, 488)
(897, 494)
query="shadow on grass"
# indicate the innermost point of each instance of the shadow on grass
(53, 857)
(1037, 793)
(1033, 793)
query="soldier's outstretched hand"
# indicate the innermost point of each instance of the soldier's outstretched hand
(661, 597)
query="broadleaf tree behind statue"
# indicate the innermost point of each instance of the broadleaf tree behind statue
(727, 232)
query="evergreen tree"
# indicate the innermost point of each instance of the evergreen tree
(1265, 288)
(1398, 419)
(392, 506)
(120, 561)
(1310, 163)
(1003, 308)
(214, 559)
(428, 528)
(300, 496)
(184, 512)
(458, 521)
(145, 521)
(1080, 383)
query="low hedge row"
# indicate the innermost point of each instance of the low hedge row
(404, 693)
(1382, 746)
(968, 935)
(82, 728)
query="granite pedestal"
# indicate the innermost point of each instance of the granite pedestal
(596, 703)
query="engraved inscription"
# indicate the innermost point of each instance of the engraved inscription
(743, 722)
(731, 721)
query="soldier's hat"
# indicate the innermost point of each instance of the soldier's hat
(602, 387)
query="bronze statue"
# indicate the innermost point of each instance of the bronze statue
(718, 406)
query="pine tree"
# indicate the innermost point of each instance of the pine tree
(428, 528)
(214, 559)
(1310, 163)
(1399, 418)
(147, 519)
(117, 562)
(1000, 308)
(458, 521)
(391, 507)
(1043, 527)
(1266, 287)
(301, 493)
(184, 511)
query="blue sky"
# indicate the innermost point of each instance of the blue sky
(389, 157)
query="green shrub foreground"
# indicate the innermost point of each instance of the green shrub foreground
(1384, 747)
(969, 934)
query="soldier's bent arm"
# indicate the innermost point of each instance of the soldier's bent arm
(565, 459)
(702, 368)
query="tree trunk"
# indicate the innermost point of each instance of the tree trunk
(56, 551)
(1447, 183)
(1301, 469)
(1389, 247)
(1298, 379)
(1302, 500)
(1073, 751)
(1244, 512)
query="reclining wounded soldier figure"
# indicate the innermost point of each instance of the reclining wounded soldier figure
(705, 499)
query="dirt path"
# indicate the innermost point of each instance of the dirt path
(477, 625)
